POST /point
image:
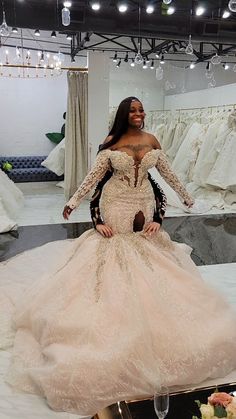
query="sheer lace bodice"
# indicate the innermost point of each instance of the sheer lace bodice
(130, 171)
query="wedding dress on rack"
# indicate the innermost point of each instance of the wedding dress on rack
(103, 320)
(11, 201)
(223, 173)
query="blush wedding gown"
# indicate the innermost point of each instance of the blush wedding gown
(99, 320)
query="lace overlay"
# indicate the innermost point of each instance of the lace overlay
(103, 320)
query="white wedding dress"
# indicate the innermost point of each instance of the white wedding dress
(11, 202)
(99, 320)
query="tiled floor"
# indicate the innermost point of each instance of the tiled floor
(212, 236)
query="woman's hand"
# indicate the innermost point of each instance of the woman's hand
(66, 212)
(104, 230)
(152, 228)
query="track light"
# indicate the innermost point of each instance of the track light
(14, 30)
(192, 66)
(132, 64)
(149, 9)
(226, 14)
(200, 10)
(37, 32)
(115, 59)
(67, 4)
(157, 55)
(171, 10)
(95, 5)
(118, 64)
(126, 58)
(53, 34)
(152, 65)
(162, 61)
(69, 37)
(41, 59)
(122, 7)
(226, 66)
(144, 65)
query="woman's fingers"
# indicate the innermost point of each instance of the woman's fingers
(152, 228)
(104, 230)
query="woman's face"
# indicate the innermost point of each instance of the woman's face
(136, 114)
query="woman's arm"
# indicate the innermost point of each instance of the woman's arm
(170, 177)
(102, 164)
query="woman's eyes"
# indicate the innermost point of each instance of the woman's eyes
(134, 110)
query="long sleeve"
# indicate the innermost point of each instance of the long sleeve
(170, 177)
(102, 164)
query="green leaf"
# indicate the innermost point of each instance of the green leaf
(220, 412)
(198, 403)
(55, 137)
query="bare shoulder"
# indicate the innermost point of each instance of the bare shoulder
(153, 141)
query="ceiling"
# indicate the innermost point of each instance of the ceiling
(108, 29)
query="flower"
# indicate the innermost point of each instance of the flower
(222, 399)
(207, 411)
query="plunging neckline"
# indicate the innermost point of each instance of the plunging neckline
(131, 157)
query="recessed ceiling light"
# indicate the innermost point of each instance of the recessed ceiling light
(170, 10)
(122, 7)
(226, 14)
(150, 9)
(67, 4)
(200, 10)
(95, 5)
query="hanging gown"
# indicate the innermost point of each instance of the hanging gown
(11, 201)
(113, 319)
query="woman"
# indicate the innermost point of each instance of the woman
(115, 317)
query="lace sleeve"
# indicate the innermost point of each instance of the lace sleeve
(170, 177)
(102, 164)
(94, 203)
(160, 199)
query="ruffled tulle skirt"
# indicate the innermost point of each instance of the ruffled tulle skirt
(99, 320)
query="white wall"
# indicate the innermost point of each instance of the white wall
(127, 81)
(29, 108)
(98, 101)
(223, 95)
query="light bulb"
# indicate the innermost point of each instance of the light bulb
(67, 3)
(200, 10)
(115, 59)
(65, 16)
(132, 64)
(192, 66)
(167, 1)
(145, 65)
(216, 59)
(4, 30)
(122, 7)
(170, 10)
(150, 9)
(95, 5)
(226, 14)
(14, 30)
(37, 32)
(152, 65)
(232, 5)
(226, 66)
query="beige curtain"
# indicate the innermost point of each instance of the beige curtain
(76, 133)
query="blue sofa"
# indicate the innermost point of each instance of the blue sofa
(28, 169)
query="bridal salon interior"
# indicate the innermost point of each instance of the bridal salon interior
(64, 68)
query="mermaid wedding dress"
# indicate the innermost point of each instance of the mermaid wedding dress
(113, 319)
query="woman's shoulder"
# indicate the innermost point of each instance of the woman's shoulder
(153, 141)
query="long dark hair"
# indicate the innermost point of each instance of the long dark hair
(121, 122)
